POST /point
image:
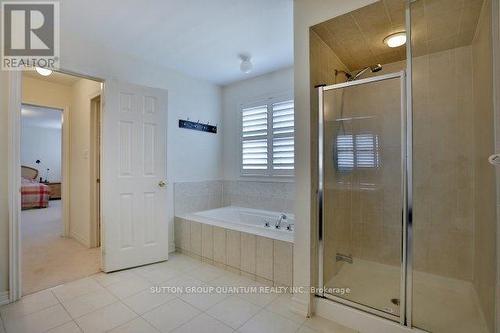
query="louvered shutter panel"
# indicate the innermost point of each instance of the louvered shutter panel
(254, 140)
(283, 148)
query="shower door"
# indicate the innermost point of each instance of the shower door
(361, 193)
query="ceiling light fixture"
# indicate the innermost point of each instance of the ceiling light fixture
(246, 65)
(395, 40)
(43, 71)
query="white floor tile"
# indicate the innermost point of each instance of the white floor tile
(203, 301)
(138, 325)
(107, 279)
(326, 326)
(204, 324)
(282, 305)
(107, 318)
(29, 304)
(87, 303)
(182, 281)
(306, 329)
(231, 280)
(130, 286)
(182, 263)
(145, 300)
(268, 322)
(233, 311)
(171, 315)
(260, 299)
(39, 321)
(158, 274)
(69, 291)
(70, 327)
(206, 273)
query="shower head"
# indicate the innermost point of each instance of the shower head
(372, 68)
(347, 74)
(376, 68)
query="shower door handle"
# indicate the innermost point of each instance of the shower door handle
(494, 159)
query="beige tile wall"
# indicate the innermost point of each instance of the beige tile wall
(365, 222)
(197, 196)
(274, 196)
(484, 174)
(264, 259)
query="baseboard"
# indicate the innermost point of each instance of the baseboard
(4, 298)
(82, 240)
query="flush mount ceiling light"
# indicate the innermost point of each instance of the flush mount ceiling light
(246, 65)
(43, 71)
(396, 39)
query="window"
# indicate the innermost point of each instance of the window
(357, 151)
(267, 145)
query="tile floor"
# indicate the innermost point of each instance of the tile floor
(122, 302)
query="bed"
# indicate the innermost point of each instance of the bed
(33, 193)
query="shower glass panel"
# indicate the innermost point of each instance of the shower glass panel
(362, 193)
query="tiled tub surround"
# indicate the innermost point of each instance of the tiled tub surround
(263, 258)
(197, 196)
(248, 220)
(274, 196)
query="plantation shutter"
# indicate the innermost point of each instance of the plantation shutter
(267, 143)
(283, 150)
(254, 140)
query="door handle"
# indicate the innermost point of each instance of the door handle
(162, 183)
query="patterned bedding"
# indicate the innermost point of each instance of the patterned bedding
(34, 194)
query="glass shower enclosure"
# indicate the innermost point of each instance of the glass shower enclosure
(406, 203)
(362, 192)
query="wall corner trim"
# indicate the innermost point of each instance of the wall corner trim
(14, 186)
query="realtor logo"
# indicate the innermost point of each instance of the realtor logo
(30, 35)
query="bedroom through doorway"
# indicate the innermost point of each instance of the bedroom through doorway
(60, 219)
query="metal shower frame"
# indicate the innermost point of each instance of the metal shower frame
(406, 281)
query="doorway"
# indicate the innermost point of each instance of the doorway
(60, 143)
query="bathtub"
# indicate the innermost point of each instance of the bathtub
(238, 239)
(248, 220)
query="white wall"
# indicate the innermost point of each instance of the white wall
(191, 155)
(274, 84)
(79, 175)
(307, 14)
(44, 144)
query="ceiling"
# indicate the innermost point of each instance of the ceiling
(55, 77)
(34, 116)
(197, 37)
(437, 25)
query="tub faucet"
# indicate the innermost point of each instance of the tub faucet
(280, 219)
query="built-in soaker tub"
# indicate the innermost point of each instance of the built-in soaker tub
(252, 221)
(240, 239)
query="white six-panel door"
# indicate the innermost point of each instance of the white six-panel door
(134, 173)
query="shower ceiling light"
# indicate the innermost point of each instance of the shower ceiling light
(246, 65)
(396, 39)
(43, 71)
